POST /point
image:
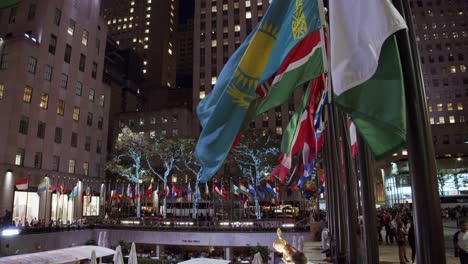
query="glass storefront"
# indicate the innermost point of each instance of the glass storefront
(25, 207)
(59, 210)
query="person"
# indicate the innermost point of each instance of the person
(401, 242)
(412, 241)
(460, 243)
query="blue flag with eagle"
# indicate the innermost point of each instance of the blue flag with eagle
(222, 111)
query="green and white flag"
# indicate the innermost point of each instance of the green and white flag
(366, 70)
(234, 189)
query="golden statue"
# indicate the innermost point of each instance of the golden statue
(290, 254)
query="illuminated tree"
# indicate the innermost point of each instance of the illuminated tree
(255, 156)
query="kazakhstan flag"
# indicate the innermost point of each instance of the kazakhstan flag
(221, 113)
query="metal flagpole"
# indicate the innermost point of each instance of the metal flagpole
(350, 201)
(430, 246)
(366, 176)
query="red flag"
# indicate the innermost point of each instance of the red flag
(22, 184)
(149, 191)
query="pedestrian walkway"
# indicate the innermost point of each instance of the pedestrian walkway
(388, 254)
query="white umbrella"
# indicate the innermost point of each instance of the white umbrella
(118, 257)
(205, 261)
(132, 257)
(257, 259)
(93, 257)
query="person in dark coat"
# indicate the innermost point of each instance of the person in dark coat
(411, 241)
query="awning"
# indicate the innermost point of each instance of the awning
(66, 255)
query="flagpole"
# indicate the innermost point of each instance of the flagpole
(430, 246)
(27, 197)
(366, 175)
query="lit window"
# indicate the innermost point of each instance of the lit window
(147, 23)
(101, 100)
(130, 25)
(144, 71)
(431, 119)
(109, 22)
(404, 152)
(27, 94)
(236, 28)
(134, 39)
(248, 15)
(460, 106)
(146, 30)
(202, 94)
(148, 15)
(76, 113)
(462, 119)
(213, 80)
(152, 134)
(132, 3)
(114, 21)
(453, 69)
(225, 7)
(213, 43)
(430, 108)
(440, 108)
(19, 157)
(462, 68)
(84, 38)
(148, 8)
(142, 121)
(44, 101)
(452, 119)
(131, 10)
(71, 166)
(131, 18)
(71, 27)
(279, 130)
(170, 51)
(85, 168)
(145, 62)
(124, 26)
(145, 47)
(2, 89)
(441, 120)
(149, 1)
(449, 107)
(60, 107)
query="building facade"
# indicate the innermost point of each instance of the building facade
(54, 106)
(148, 27)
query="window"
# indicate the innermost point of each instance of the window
(89, 120)
(78, 88)
(48, 73)
(68, 51)
(175, 132)
(460, 106)
(41, 129)
(57, 16)
(12, 18)
(71, 166)
(38, 160)
(74, 140)
(31, 66)
(32, 11)
(60, 107)
(99, 146)
(63, 81)
(27, 94)
(58, 135)
(100, 123)
(2, 90)
(52, 43)
(86, 168)
(440, 108)
(94, 70)
(81, 67)
(152, 134)
(84, 38)
(441, 120)
(76, 113)
(44, 101)
(142, 121)
(451, 119)
(24, 124)
(3, 61)
(87, 145)
(153, 120)
(71, 27)
(449, 107)
(19, 157)
(163, 132)
(91, 95)
(55, 163)
(101, 100)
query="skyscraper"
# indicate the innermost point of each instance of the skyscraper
(54, 106)
(148, 27)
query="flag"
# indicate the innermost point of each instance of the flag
(366, 71)
(129, 191)
(89, 194)
(224, 192)
(217, 190)
(51, 187)
(42, 186)
(167, 190)
(121, 192)
(243, 189)
(261, 192)
(252, 190)
(149, 191)
(222, 111)
(59, 188)
(300, 132)
(189, 192)
(353, 139)
(235, 190)
(270, 190)
(302, 64)
(22, 184)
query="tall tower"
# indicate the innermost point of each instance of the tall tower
(219, 29)
(54, 106)
(148, 27)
